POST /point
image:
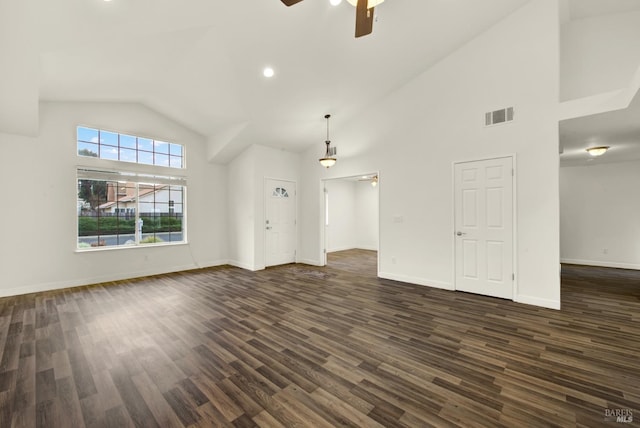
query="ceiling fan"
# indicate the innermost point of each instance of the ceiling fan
(364, 14)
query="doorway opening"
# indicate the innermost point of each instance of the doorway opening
(350, 221)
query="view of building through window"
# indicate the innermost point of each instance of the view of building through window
(117, 213)
(126, 208)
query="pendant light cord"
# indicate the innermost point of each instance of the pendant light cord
(327, 117)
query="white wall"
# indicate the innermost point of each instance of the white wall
(599, 54)
(353, 215)
(341, 231)
(366, 216)
(38, 247)
(247, 174)
(600, 215)
(416, 133)
(242, 210)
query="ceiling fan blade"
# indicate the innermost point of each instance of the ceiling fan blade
(291, 2)
(364, 18)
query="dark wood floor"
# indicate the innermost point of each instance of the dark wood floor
(304, 346)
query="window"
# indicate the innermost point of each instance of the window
(147, 213)
(280, 192)
(118, 208)
(109, 145)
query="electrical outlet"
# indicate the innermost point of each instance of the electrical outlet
(605, 251)
(393, 260)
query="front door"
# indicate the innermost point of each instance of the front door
(280, 222)
(484, 227)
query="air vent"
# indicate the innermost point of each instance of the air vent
(498, 116)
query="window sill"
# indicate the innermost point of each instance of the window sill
(129, 247)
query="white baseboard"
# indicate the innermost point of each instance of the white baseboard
(57, 285)
(212, 263)
(357, 247)
(310, 262)
(536, 301)
(366, 247)
(336, 249)
(242, 265)
(601, 264)
(416, 280)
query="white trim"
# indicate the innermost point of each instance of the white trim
(357, 247)
(323, 222)
(242, 265)
(417, 280)
(212, 263)
(599, 263)
(123, 174)
(310, 262)
(58, 285)
(132, 246)
(537, 301)
(367, 247)
(337, 249)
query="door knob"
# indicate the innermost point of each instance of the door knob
(268, 227)
(460, 233)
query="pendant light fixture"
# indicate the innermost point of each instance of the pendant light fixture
(329, 159)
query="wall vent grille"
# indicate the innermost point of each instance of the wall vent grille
(497, 117)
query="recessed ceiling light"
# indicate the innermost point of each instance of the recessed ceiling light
(268, 72)
(335, 2)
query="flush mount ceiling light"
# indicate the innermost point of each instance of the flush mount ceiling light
(329, 159)
(597, 151)
(335, 2)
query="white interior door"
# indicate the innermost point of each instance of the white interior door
(280, 222)
(484, 227)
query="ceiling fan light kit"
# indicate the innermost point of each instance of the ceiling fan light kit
(370, 3)
(329, 159)
(364, 13)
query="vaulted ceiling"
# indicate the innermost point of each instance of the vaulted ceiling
(199, 62)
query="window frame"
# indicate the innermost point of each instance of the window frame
(124, 171)
(121, 148)
(134, 180)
